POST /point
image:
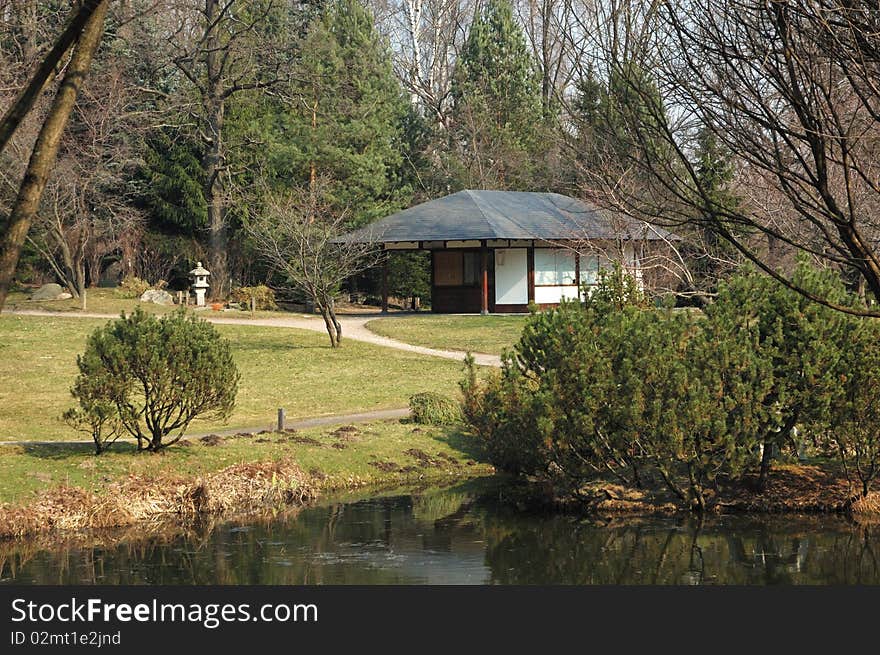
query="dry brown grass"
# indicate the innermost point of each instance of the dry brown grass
(134, 499)
(869, 506)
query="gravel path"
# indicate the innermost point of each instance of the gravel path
(353, 327)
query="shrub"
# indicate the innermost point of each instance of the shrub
(683, 398)
(853, 427)
(504, 415)
(96, 415)
(131, 287)
(264, 297)
(157, 373)
(434, 409)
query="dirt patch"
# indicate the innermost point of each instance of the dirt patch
(449, 458)
(212, 440)
(317, 474)
(306, 441)
(427, 461)
(241, 488)
(339, 446)
(386, 467)
(790, 488)
(347, 433)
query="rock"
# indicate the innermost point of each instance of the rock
(64, 296)
(48, 292)
(157, 297)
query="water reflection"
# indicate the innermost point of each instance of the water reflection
(464, 535)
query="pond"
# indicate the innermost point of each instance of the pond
(468, 534)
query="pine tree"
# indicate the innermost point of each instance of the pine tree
(173, 185)
(610, 116)
(497, 113)
(346, 117)
(714, 172)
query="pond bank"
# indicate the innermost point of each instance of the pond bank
(464, 533)
(790, 489)
(273, 472)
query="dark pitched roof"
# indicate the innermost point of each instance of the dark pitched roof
(469, 215)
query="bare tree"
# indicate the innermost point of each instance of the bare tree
(49, 64)
(88, 205)
(45, 150)
(299, 235)
(426, 37)
(791, 90)
(224, 48)
(550, 26)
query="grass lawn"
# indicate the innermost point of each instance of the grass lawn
(479, 334)
(106, 301)
(370, 453)
(280, 367)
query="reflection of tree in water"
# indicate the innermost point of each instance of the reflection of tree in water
(730, 550)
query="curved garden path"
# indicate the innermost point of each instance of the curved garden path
(353, 327)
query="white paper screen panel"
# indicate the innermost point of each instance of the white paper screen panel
(511, 277)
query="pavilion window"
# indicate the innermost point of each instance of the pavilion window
(456, 268)
(589, 270)
(554, 268)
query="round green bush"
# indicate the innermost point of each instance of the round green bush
(434, 409)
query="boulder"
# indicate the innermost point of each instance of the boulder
(157, 297)
(64, 296)
(48, 292)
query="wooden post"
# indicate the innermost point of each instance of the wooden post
(253, 305)
(280, 419)
(385, 286)
(484, 279)
(577, 273)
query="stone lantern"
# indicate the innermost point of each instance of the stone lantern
(200, 283)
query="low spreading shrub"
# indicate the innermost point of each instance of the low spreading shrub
(263, 296)
(131, 287)
(431, 408)
(685, 399)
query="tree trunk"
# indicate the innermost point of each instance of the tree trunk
(336, 324)
(213, 158)
(73, 29)
(330, 325)
(217, 240)
(45, 151)
(698, 500)
(769, 443)
(766, 458)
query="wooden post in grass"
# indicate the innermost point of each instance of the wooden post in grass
(253, 305)
(280, 419)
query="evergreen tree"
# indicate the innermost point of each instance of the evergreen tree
(497, 113)
(712, 255)
(173, 185)
(610, 116)
(346, 117)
